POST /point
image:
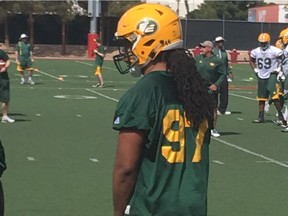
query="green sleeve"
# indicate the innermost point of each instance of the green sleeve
(3, 55)
(2, 159)
(221, 70)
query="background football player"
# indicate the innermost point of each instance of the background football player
(266, 62)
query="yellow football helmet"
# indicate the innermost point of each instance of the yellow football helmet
(279, 44)
(264, 40)
(285, 36)
(147, 29)
(283, 32)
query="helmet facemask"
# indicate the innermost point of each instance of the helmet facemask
(125, 61)
(264, 45)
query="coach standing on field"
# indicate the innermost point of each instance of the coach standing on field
(221, 53)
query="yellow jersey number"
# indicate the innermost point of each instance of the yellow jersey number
(178, 135)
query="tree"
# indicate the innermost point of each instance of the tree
(30, 8)
(229, 10)
(117, 8)
(114, 8)
(66, 11)
(6, 11)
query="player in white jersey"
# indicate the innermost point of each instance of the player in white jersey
(266, 62)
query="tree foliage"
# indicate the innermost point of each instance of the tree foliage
(229, 10)
(117, 8)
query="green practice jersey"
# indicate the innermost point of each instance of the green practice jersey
(173, 175)
(4, 57)
(222, 54)
(23, 50)
(211, 69)
(99, 59)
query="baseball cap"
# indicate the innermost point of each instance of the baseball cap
(218, 39)
(22, 36)
(206, 43)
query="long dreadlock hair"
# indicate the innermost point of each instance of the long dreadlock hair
(193, 93)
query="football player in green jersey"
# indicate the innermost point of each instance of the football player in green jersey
(164, 120)
(99, 59)
(212, 70)
(24, 58)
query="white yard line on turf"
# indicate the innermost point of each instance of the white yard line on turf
(102, 95)
(244, 97)
(271, 160)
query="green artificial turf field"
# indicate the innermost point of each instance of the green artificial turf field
(60, 150)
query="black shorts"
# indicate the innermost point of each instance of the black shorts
(4, 90)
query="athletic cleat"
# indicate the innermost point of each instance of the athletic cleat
(6, 119)
(285, 130)
(259, 120)
(101, 86)
(97, 85)
(215, 133)
(22, 82)
(227, 113)
(277, 122)
(223, 113)
(31, 82)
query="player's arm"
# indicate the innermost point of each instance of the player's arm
(219, 81)
(17, 54)
(280, 60)
(7, 63)
(31, 56)
(99, 53)
(252, 62)
(16, 57)
(126, 166)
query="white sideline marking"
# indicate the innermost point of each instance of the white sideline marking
(252, 153)
(244, 97)
(102, 95)
(269, 162)
(218, 162)
(31, 158)
(94, 160)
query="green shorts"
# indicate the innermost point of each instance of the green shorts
(25, 64)
(4, 90)
(269, 87)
